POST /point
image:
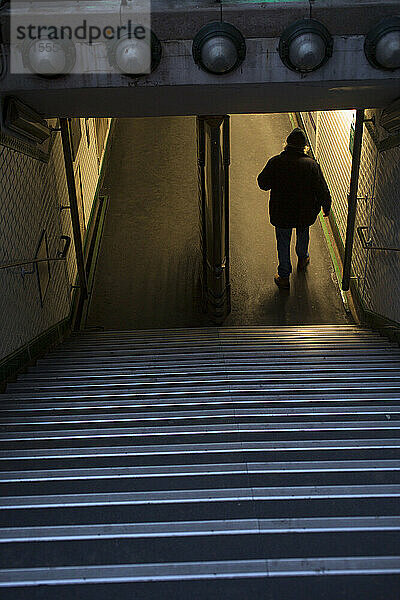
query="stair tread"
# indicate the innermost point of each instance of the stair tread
(211, 570)
(202, 495)
(202, 469)
(257, 389)
(211, 527)
(246, 446)
(247, 390)
(206, 429)
(216, 413)
(263, 400)
(216, 381)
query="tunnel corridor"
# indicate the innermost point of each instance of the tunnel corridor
(150, 261)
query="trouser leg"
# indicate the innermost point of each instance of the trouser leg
(283, 237)
(302, 241)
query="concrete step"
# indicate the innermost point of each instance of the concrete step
(198, 476)
(205, 374)
(226, 345)
(235, 351)
(206, 463)
(200, 504)
(257, 576)
(221, 331)
(240, 392)
(197, 541)
(208, 354)
(221, 335)
(183, 454)
(200, 433)
(58, 404)
(128, 383)
(50, 419)
(242, 364)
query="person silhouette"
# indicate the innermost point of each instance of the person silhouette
(298, 191)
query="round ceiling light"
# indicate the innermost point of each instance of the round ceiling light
(305, 46)
(219, 48)
(49, 58)
(382, 44)
(133, 56)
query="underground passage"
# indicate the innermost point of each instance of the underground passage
(200, 300)
(148, 274)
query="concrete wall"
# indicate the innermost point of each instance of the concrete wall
(262, 84)
(179, 87)
(376, 272)
(31, 192)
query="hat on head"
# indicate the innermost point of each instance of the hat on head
(297, 138)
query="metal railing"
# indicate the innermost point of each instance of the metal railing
(61, 255)
(367, 244)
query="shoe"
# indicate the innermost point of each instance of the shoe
(282, 282)
(303, 262)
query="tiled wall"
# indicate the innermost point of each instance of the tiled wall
(31, 194)
(377, 273)
(382, 282)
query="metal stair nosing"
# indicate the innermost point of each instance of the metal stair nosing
(305, 420)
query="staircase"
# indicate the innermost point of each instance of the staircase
(235, 463)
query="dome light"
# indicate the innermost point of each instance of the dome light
(305, 46)
(133, 56)
(382, 44)
(219, 48)
(49, 58)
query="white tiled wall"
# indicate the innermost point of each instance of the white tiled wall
(377, 273)
(31, 193)
(382, 283)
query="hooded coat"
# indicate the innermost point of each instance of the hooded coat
(298, 189)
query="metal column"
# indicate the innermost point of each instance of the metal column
(213, 160)
(73, 203)
(352, 210)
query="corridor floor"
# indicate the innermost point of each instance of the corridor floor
(149, 265)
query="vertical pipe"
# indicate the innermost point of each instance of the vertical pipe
(227, 162)
(352, 199)
(73, 203)
(202, 204)
(218, 290)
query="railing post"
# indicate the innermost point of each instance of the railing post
(213, 158)
(352, 199)
(73, 203)
(226, 136)
(202, 207)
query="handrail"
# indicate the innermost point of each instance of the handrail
(73, 203)
(30, 262)
(61, 255)
(367, 244)
(352, 199)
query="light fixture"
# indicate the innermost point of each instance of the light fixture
(382, 44)
(305, 46)
(24, 122)
(219, 48)
(49, 58)
(133, 56)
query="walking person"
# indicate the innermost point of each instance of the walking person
(298, 191)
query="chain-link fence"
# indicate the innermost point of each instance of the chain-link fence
(376, 272)
(29, 210)
(34, 214)
(381, 286)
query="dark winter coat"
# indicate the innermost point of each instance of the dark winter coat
(298, 189)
